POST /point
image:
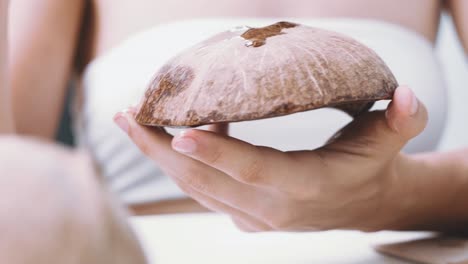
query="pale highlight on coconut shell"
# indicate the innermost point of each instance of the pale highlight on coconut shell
(266, 72)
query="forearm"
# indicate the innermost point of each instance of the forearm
(6, 125)
(432, 192)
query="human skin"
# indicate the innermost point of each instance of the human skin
(359, 180)
(54, 210)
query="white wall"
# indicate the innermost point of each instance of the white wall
(455, 65)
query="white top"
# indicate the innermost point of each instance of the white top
(119, 78)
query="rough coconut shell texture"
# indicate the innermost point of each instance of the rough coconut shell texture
(255, 73)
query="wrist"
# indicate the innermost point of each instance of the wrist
(429, 192)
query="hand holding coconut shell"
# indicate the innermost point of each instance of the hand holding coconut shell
(278, 70)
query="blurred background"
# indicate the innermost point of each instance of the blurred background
(455, 67)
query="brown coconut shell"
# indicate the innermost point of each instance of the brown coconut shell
(255, 73)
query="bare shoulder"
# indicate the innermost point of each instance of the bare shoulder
(43, 36)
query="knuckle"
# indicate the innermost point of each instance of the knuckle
(188, 189)
(185, 188)
(195, 180)
(252, 172)
(144, 148)
(195, 195)
(215, 156)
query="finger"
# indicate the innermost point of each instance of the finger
(249, 222)
(154, 142)
(383, 133)
(205, 179)
(406, 115)
(258, 166)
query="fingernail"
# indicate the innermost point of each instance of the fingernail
(185, 145)
(121, 120)
(414, 104)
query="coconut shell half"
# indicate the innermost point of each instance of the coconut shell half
(255, 73)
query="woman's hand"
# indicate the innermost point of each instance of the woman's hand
(354, 182)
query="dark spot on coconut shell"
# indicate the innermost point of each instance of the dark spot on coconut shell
(168, 82)
(256, 37)
(283, 109)
(213, 116)
(192, 116)
(166, 122)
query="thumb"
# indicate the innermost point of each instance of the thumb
(380, 133)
